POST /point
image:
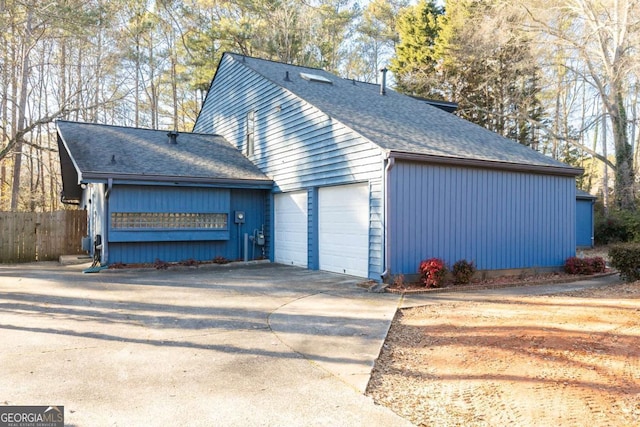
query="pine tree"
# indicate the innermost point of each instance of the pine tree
(488, 68)
(415, 61)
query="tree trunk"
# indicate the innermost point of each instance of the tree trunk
(98, 78)
(605, 175)
(635, 136)
(80, 103)
(624, 194)
(174, 87)
(22, 106)
(3, 184)
(4, 115)
(137, 83)
(63, 72)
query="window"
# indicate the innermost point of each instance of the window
(155, 220)
(315, 78)
(251, 124)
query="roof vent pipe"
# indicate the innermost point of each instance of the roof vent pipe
(383, 82)
(286, 76)
(173, 137)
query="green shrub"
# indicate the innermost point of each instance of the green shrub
(575, 265)
(610, 229)
(463, 271)
(626, 259)
(618, 227)
(433, 272)
(632, 224)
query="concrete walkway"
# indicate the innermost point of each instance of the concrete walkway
(263, 345)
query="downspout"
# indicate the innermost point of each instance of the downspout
(386, 274)
(593, 238)
(105, 239)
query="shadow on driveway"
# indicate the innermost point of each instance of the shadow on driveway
(229, 344)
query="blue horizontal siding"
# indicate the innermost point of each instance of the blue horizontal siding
(176, 245)
(135, 198)
(167, 235)
(138, 198)
(499, 220)
(149, 252)
(376, 221)
(296, 144)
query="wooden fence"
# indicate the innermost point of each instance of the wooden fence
(41, 236)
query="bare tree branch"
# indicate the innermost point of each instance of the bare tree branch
(548, 131)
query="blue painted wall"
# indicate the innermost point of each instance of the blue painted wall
(255, 204)
(296, 144)
(133, 246)
(499, 220)
(139, 198)
(584, 221)
(313, 254)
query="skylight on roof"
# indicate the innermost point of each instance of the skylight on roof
(315, 78)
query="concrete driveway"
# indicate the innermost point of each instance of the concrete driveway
(256, 345)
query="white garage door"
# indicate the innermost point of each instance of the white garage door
(343, 226)
(290, 228)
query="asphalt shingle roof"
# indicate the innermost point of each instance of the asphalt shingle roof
(581, 194)
(101, 151)
(399, 123)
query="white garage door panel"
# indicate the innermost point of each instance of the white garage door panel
(290, 228)
(343, 226)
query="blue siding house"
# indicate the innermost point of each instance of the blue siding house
(152, 195)
(368, 182)
(337, 175)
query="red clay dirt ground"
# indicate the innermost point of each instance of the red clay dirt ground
(561, 360)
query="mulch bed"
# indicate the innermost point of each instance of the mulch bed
(497, 282)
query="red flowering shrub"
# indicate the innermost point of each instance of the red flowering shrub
(432, 272)
(575, 265)
(599, 265)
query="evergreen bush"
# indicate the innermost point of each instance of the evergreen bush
(626, 259)
(463, 271)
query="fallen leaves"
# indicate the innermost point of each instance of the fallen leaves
(571, 359)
